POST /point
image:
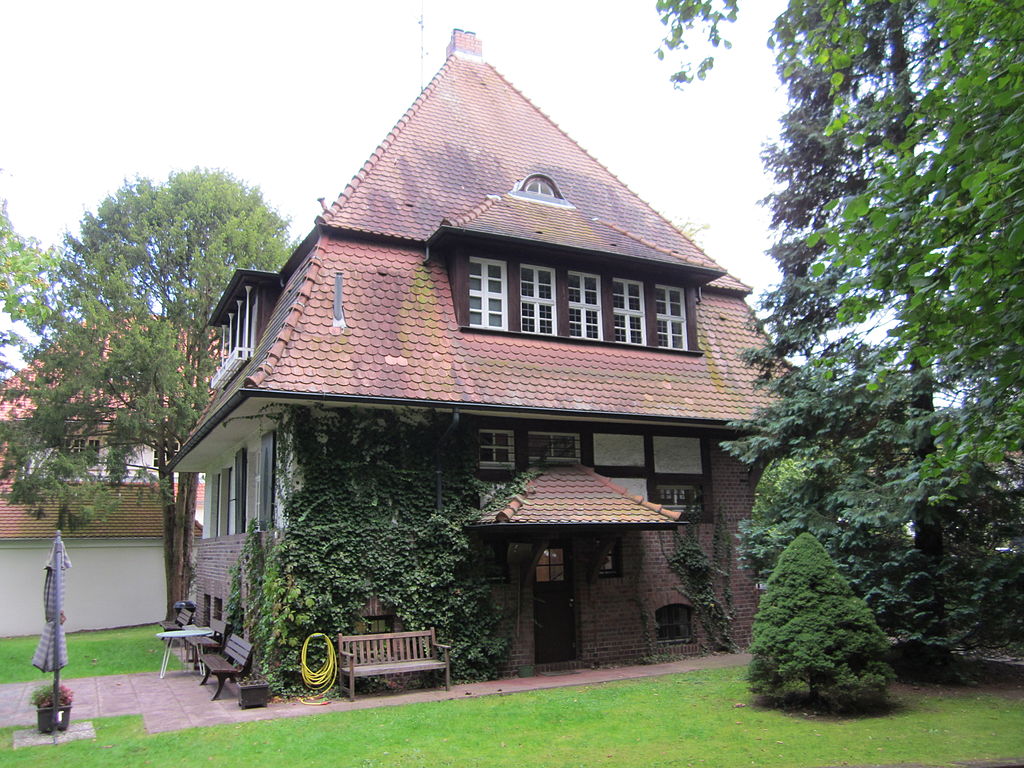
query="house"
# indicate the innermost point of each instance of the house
(118, 576)
(483, 268)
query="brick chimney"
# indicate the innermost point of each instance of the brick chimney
(465, 42)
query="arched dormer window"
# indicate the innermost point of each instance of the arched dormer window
(540, 186)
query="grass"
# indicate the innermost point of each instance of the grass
(677, 720)
(103, 652)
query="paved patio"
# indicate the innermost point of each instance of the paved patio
(178, 701)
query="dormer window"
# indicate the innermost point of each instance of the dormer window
(540, 185)
(542, 189)
(239, 319)
(237, 335)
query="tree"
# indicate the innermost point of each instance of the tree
(124, 356)
(815, 643)
(23, 262)
(862, 310)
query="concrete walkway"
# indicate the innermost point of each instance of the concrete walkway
(178, 701)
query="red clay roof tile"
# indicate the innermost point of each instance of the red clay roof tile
(577, 495)
(471, 134)
(401, 342)
(139, 515)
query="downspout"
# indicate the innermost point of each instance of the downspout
(439, 484)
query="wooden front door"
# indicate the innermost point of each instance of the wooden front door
(554, 633)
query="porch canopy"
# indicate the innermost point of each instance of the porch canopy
(575, 497)
(569, 502)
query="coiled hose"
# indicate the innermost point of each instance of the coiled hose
(322, 680)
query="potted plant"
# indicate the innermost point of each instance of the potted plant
(42, 698)
(253, 691)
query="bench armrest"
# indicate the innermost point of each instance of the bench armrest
(349, 654)
(443, 645)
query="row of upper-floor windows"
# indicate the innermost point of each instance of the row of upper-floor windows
(536, 304)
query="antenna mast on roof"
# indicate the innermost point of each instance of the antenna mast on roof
(421, 45)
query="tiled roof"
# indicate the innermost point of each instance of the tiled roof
(471, 134)
(402, 341)
(139, 515)
(577, 495)
(550, 223)
(452, 162)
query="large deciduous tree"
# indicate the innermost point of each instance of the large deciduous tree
(124, 355)
(900, 228)
(23, 263)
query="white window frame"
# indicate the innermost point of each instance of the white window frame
(628, 311)
(589, 313)
(487, 442)
(529, 296)
(671, 327)
(486, 295)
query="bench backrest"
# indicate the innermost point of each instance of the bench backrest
(184, 617)
(238, 651)
(220, 629)
(389, 646)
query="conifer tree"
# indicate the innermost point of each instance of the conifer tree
(815, 643)
(124, 355)
(917, 506)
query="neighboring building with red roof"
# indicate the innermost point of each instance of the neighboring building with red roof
(117, 575)
(483, 264)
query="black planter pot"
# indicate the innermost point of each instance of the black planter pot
(44, 718)
(253, 695)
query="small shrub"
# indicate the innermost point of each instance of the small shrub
(43, 696)
(815, 643)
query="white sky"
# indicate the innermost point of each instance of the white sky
(293, 97)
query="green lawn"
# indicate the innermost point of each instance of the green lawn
(105, 652)
(678, 720)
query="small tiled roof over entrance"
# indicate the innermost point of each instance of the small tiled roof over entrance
(139, 515)
(578, 495)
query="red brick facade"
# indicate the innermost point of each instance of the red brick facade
(615, 617)
(212, 586)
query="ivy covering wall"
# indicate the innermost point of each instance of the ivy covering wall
(707, 582)
(361, 522)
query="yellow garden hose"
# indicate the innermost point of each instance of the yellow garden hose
(322, 680)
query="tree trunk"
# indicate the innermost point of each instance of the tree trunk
(929, 540)
(179, 531)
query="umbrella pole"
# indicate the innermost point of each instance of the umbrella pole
(58, 575)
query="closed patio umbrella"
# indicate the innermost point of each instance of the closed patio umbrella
(52, 652)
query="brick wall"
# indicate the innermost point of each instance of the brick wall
(214, 558)
(615, 616)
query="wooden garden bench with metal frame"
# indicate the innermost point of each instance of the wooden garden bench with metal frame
(232, 662)
(182, 619)
(391, 653)
(200, 644)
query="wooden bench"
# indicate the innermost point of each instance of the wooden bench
(208, 643)
(230, 663)
(201, 644)
(390, 653)
(184, 618)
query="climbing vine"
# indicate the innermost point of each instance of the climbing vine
(707, 582)
(361, 523)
